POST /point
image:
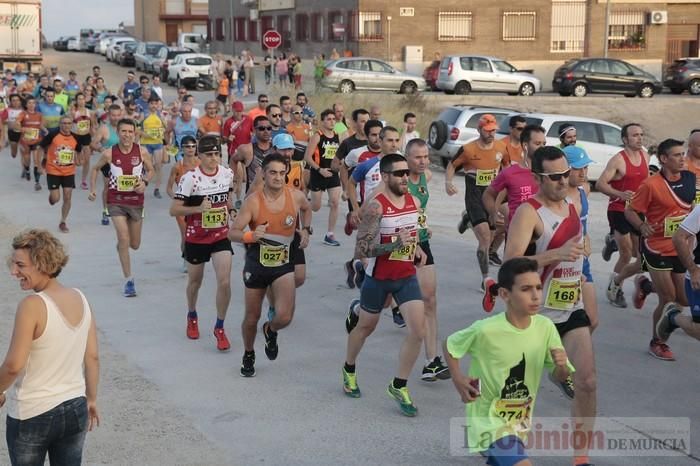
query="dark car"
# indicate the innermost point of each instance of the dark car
(145, 54)
(684, 75)
(607, 75)
(125, 57)
(431, 74)
(61, 44)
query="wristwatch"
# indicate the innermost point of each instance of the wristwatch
(309, 230)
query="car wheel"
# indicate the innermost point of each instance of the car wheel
(646, 91)
(527, 89)
(694, 87)
(437, 134)
(580, 90)
(409, 87)
(346, 87)
(675, 90)
(462, 88)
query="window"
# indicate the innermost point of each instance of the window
(174, 7)
(618, 68)
(369, 25)
(519, 25)
(585, 131)
(302, 27)
(317, 27)
(600, 66)
(454, 25)
(481, 65)
(284, 26)
(627, 30)
(266, 24)
(356, 65)
(473, 121)
(219, 29)
(568, 30)
(501, 65)
(611, 135)
(379, 67)
(198, 61)
(252, 31)
(239, 28)
(334, 18)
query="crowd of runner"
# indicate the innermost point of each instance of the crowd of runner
(257, 176)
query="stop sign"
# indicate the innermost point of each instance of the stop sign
(272, 39)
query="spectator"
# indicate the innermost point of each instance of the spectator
(268, 69)
(297, 73)
(282, 69)
(334, 54)
(319, 66)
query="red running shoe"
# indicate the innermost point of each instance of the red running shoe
(349, 227)
(639, 295)
(222, 343)
(489, 300)
(660, 350)
(192, 329)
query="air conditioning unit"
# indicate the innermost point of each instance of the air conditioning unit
(254, 15)
(249, 2)
(658, 17)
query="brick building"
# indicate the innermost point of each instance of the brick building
(163, 20)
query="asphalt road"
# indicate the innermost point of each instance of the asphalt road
(294, 411)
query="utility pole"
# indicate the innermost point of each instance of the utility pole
(607, 29)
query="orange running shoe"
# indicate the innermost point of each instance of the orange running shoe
(222, 343)
(192, 329)
(489, 300)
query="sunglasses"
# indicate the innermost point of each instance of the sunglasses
(264, 128)
(275, 115)
(213, 153)
(519, 128)
(297, 113)
(263, 101)
(401, 173)
(189, 146)
(556, 176)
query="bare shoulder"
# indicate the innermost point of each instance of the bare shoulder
(428, 175)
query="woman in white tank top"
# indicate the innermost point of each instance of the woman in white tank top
(51, 369)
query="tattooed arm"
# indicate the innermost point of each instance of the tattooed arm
(368, 233)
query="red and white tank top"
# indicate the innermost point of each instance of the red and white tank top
(634, 175)
(399, 263)
(125, 171)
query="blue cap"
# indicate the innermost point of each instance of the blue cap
(283, 141)
(577, 157)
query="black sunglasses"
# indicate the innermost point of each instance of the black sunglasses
(275, 115)
(263, 101)
(189, 146)
(297, 113)
(556, 176)
(264, 128)
(400, 173)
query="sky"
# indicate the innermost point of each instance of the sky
(68, 17)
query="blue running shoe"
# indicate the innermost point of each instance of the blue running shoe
(130, 289)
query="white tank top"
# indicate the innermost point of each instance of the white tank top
(54, 372)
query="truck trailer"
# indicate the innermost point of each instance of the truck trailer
(20, 34)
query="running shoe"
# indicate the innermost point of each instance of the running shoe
(37, 186)
(84, 186)
(349, 227)
(105, 218)
(271, 348)
(248, 365)
(489, 300)
(63, 227)
(665, 326)
(130, 289)
(403, 398)
(615, 294)
(350, 271)
(156, 193)
(329, 240)
(660, 350)
(494, 259)
(222, 343)
(192, 329)
(353, 315)
(465, 223)
(350, 384)
(639, 294)
(566, 387)
(398, 318)
(27, 176)
(435, 370)
(359, 273)
(609, 248)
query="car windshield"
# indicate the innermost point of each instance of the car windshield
(502, 65)
(637, 71)
(198, 61)
(131, 46)
(174, 53)
(152, 49)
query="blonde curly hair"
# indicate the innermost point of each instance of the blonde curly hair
(45, 250)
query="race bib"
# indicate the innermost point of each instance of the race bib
(422, 219)
(562, 295)
(274, 256)
(172, 151)
(697, 197)
(2, 105)
(516, 413)
(126, 183)
(31, 134)
(83, 127)
(155, 133)
(405, 253)
(215, 218)
(485, 177)
(330, 151)
(65, 156)
(671, 224)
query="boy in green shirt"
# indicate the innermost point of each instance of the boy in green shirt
(509, 352)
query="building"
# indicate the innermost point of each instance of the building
(163, 20)
(539, 32)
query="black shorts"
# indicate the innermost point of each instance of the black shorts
(473, 202)
(318, 182)
(105, 170)
(256, 276)
(200, 253)
(14, 136)
(56, 181)
(657, 262)
(222, 98)
(84, 140)
(32, 147)
(618, 223)
(296, 254)
(425, 246)
(577, 319)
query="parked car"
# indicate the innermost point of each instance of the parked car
(191, 40)
(684, 75)
(114, 42)
(364, 73)
(455, 126)
(462, 74)
(431, 75)
(125, 55)
(186, 68)
(73, 44)
(582, 76)
(145, 54)
(61, 44)
(163, 58)
(105, 41)
(600, 139)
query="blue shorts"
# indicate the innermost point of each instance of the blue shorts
(152, 148)
(506, 451)
(374, 292)
(693, 301)
(587, 270)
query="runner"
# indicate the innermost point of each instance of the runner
(387, 238)
(29, 123)
(83, 123)
(621, 178)
(512, 143)
(14, 132)
(130, 170)
(61, 151)
(251, 155)
(203, 196)
(72, 86)
(259, 110)
(319, 156)
(127, 89)
(211, 122)
(107, 136)
(274, 115)
(271, 214)
(180, 126)
(409, 131)
(286, 106)
(509, 352)
(51, 112)
(480, 160)
(152, 133)
(567, 135)
(664, 199)
(60, 96)
(341, 126)
(301, 132)
(553, 223)
(360, 116)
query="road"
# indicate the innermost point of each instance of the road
(169, 400)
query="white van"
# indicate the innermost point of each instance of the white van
(191, 40)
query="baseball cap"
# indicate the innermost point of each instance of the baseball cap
(208, 143)
(283, 141)
(188, 140)
(488, 122)
(238, 106)
(577, 157)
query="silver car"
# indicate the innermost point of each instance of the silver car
(461, 74)
(365, 73)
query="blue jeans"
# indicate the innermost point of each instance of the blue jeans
(60, 432)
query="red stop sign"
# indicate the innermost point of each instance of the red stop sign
(272, 39)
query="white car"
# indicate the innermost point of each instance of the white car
(186, 68)
(109, 41)
(73, 44)
(118, 41)
(103, 43)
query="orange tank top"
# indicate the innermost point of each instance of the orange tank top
(280, 225)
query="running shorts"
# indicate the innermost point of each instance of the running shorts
(374, 293)
(133, 213)
(619, 223)
(577, 319)
(658, 262)
(318, 182)
(196, 253)
(56, 181)
(473, 202)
